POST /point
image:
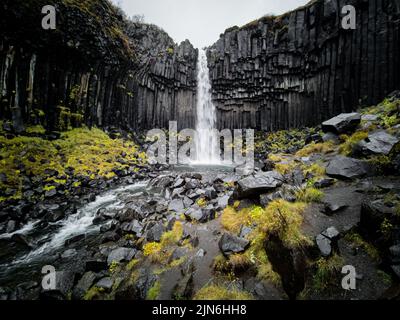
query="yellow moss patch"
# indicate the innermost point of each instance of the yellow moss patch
(309, 195)
(327, 271)
(312, 148)
(358, 241)
(93, 293)
(154, 291)
(347, 147)
(217, 292)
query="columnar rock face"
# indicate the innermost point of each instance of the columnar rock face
(165, 86)
(96, 67)
(302, 68)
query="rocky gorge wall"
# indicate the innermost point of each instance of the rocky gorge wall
(96, 68)
(301, 68)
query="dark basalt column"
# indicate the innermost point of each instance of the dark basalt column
(302, 68)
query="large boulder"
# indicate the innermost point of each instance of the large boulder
(230, 244)
(260, 183)
(345, 122)
(378, 143)
(346, 168)
(155, 232)
(121, 255)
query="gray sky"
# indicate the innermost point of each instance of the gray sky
(202, 21)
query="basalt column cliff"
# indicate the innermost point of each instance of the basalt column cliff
(302, 67)
(96, 67)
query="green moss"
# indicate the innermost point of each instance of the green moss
(218, 292)
(154, 291)
(310, 194)
(93, 293)
(114, 266)
(347, 147)
(312, 148)
(358, 241)
(327, 271)
(90, 152)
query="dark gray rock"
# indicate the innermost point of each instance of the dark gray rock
(155, 232)
(346, 168)
(105, 283)
(176, 205)
(83, 285)
(378, 143)
(342, 123)
(121, 255)
(230, 244)
(260, 183)
(326, 240)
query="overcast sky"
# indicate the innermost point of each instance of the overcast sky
(202, 21)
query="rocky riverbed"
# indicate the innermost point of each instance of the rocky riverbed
(318, 199)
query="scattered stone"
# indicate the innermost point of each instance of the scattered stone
(83, 285)
(176, 205)
(343, 123)
(346, 168)
(326, 239)
(260, 183)
(121, 255)
(377, 143)
(230, 244)
(333, 207)
(105, 283)
(155, 232)
(324, 183)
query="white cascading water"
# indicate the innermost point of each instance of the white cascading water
(207, 148)
(79, 223)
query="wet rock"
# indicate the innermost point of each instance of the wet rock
(395, 254)
(346, 168)
(324, 183)
(326, 240)
(74, 239)
(343, 123)
(244, 231)
(64, 281)
(396, 270)
(223, 202)
(210, 193)
(230, 244)
(184, 288)
(21, 239)
(50, 193)
(373, 213)
(377, 143)
(333, 207)
(244, 170)
(54, 213)
(178, 253)
(134, 227)
(290, 263)
(155, 232)
(67, 254)
(96, 265)
(105, 283)
(138, 289)
(83, 285)
(176, 205)
(260, 183)
(121, 255)
(178, 183)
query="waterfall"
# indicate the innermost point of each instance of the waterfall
(207, 147)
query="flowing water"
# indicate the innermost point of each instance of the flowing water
(207, 146)
(50, 240)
